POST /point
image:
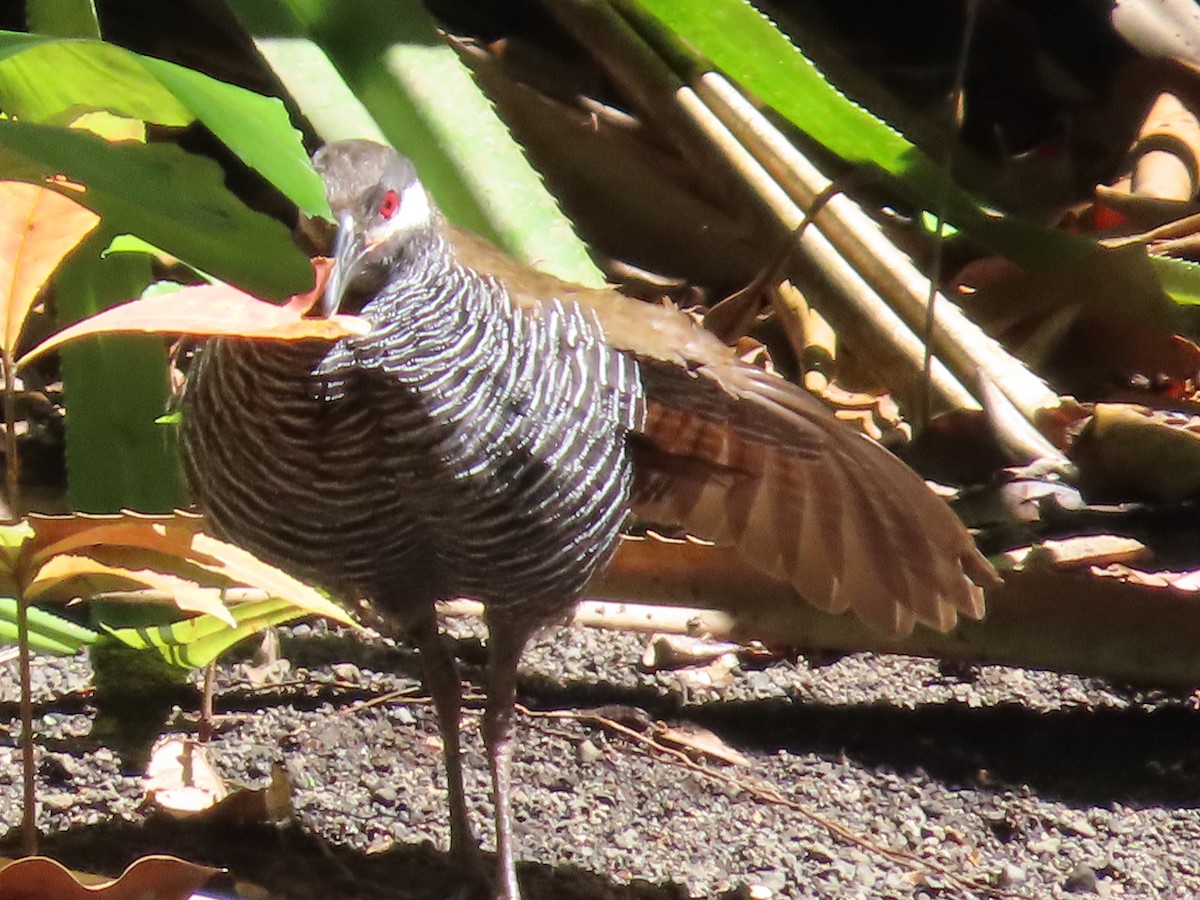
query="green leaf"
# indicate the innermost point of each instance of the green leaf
(390, 59)
(47, 80)
(742, 42)
(63, 18)
(51, 80)
(48, 633)
(115, 386)
(194, 642)
(254, 127)
(1180, 278)
(165, 196)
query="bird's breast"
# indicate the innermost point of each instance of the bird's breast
(481, 453)
(507, 431)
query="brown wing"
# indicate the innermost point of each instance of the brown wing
(734, 455)
(741, 457)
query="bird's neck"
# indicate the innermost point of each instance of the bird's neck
(430, 294)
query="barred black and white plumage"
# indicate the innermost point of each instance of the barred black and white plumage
(463, 448)
(488, 440)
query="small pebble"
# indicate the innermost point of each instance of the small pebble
(1082, 880)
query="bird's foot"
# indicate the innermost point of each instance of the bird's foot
(473, 870)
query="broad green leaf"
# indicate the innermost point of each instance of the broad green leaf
(48, 80)
(48, 633)
(170, 198)
(63, 18)
(390, 59)
(1179, 278)
(114, 386)
(254, 127)
(197, 641)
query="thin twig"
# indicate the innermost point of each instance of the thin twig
(935, 264)
(771, 794)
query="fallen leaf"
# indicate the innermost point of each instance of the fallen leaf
(674, 651)
(180, 779)
(700, 742)
(256, 805)
(1082, 550)
(149, 878)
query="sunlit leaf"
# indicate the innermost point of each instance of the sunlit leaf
(38, 227)
(211, 310)
(196, 641)
(68, 571)
(48, 633)
(48, 80)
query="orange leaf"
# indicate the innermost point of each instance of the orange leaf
(171, 534)
(210, 310)
(160, 877)
(38, 227)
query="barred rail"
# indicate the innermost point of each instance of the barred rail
(483, 440)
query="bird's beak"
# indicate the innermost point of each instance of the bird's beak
(348, 254)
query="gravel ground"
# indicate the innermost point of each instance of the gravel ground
(867, 776)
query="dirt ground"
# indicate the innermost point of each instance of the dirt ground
(866, 777)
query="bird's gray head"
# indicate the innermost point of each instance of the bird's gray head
(381, 210)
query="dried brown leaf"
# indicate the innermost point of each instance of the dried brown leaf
(180, 779)
(699, 741)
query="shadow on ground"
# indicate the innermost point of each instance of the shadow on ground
(287, 861)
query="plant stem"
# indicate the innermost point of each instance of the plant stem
(29, 835)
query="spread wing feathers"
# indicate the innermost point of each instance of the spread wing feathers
(734, 455)
(737, 456)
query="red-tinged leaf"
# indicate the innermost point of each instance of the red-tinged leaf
(210, 310)
(38, 227)
(149, 878)
(171, 534)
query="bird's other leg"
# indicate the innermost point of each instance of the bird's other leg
(505, 643)
(444, 685)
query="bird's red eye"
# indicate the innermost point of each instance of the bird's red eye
(389, 204)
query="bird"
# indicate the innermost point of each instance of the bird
(497, 430)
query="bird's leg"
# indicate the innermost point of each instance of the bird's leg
(505, 644)
(445, 686)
